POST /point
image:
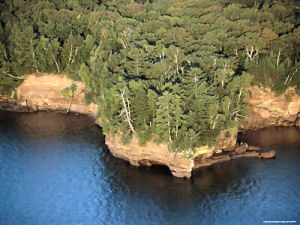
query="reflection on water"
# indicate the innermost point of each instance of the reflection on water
(55, 169)
(274, 136)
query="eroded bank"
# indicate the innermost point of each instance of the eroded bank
(43, 92)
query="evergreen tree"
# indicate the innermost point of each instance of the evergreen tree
(175, 70)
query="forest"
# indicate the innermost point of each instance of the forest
(171, 71)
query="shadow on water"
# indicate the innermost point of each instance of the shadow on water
(272, 136)
(56, 169)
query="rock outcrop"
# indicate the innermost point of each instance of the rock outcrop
(268, 154)
(227, 140)
(266, 109)
(152, 154)
(241, 149)
(297, 122)
(43, 92)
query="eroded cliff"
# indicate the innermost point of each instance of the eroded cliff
(43, 92)
(266, 109)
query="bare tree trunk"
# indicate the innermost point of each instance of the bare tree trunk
(170, 137)
(70, 56)
(33, 57)
(240, 94)
(58, 70)
(126, 105)
(12, 76)
(278, 59)
(70, 103)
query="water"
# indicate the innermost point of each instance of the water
(55, 169)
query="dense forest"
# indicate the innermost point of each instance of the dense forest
(170, 70)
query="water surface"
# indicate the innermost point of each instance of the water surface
(55, 169)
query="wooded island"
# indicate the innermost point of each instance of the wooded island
(172, 71)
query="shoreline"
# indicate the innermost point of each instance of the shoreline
(43, 93)
(235, 152)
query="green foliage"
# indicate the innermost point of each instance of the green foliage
(174, 71)
(69, 91)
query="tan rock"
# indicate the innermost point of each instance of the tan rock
(297, 123)
(219, 151)
(292, 118)
(229, 149)
(285, 123)
(245, 154)
(227, 139)
(266, 109)
(240, 149)
(43, 92)
(268, 155)
(253, 148)
(219, 159)
(210, 161)
(151, 154)
(279, 121)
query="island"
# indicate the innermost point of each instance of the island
(169, 82)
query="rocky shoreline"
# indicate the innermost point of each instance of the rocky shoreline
(43, 93)
(242, 150)
(266, 109)
(179, 165)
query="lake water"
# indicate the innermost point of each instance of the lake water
(55, 169)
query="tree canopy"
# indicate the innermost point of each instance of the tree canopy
(170, 70)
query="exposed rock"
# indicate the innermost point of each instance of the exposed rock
(265, 108)
(227, 139)
(210, 161)
(298, 115)
(245, 154)
(279, 121)
(297, 123)
(219, 151)
(229, 149)
(10, 104)
(43, 92)
(286, 123)
(145, 162)
(292, 118)
(240, 148)
(268, 155)
(219, 159)
(253, 148)
(179, 164)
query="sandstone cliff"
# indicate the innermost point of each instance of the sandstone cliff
(266, 109)
(151, 154)
(43, 92)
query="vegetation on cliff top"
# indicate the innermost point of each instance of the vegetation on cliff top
(171, 69)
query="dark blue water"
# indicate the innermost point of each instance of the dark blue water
(55, 169)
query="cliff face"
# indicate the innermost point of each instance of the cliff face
(43, 92)
(266, 109)
(151, 154)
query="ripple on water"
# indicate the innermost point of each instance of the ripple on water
(54, 169)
